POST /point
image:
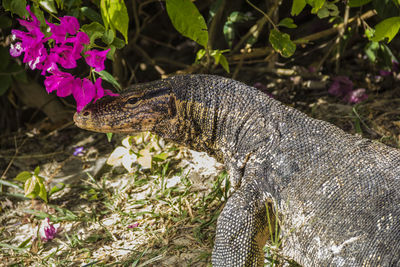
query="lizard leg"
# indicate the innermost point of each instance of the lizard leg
(242, 229)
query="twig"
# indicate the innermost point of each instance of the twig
(340, 37)
(262, 12)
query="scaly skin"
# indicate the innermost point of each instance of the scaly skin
(337, 195)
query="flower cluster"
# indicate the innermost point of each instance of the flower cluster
(67, 45)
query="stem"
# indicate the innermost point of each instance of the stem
(262, 12)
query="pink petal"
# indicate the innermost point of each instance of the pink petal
(70, 24)
(84, 94)
(96, 59)
(16, 49)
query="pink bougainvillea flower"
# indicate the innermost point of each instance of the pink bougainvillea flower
(100, 91)
(70, 24)
(67, 49)
(31, 42)
(16, 49)
(356, 96)
(30, 25)
(96, 59)
(50, 65)
(84, 94)
(67, 24)
(57, 81)
(77, 43)
(67, 58)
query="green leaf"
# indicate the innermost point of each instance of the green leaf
(42, 192)
(387, 28)
(36, 171)
(109, 78)
(31, 187)
(371, 51)
(316, 4)
(16, 6)
(160, 157)
(288, 23)
(5, 83)
(297, 7)
(224, 63)
(23, 176)
(187, 20)
(118, 43)
(357, 3)
(109, 137)
(10, 184)
(56, 188)
(329, 9)
(385, 8)
(94, 30)
(115, 16)
(91, 14)
(200, 54)
(48, 5)
(281, 43)
(108, 36)
(40, 16)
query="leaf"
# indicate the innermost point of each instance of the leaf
(109, 78)
(31, 187)
(109, 137)
(37, 170)
(224, 63)
(118, 43)
(23, 176)
(48, 5)
(94, 30)
(281, 43)
(16, 6)
(108, 36)
(127, 160)
(115, 158)
(187, 20)
(160, 157)
(316, 4)
(357, 3)
(42, 192)
(56, 188)
(91, 14)
(297, 7)
(387, 28)
(385, 8)
(145, 158)
(200, 54)
(288, 23)
(115, 15)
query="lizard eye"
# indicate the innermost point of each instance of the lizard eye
(132, 100)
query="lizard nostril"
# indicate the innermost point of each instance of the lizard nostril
(86, 113)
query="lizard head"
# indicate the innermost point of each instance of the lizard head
(145, 107)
